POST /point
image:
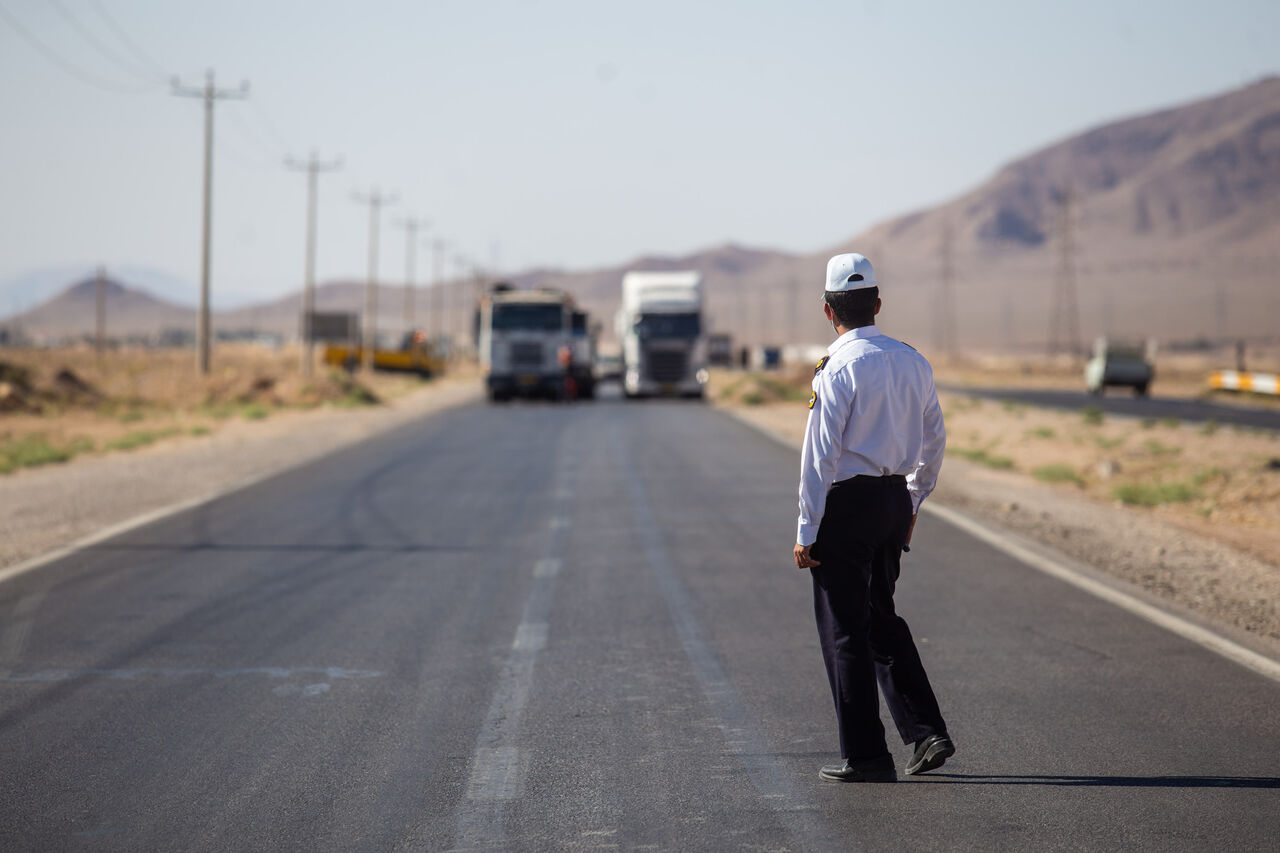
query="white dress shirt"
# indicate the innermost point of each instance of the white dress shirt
(875, 412)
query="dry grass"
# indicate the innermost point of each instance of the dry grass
(1218, 481)
(56, 404)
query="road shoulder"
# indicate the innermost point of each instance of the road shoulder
(52, 510)
(1205, 583)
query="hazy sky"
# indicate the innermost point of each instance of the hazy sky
(535, 132)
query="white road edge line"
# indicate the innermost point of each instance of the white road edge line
(181, 506)
(1203, 637)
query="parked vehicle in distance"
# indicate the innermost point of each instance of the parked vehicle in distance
(415, 355)
(664, 351)
(582, 346)
(608, 367)
(720, 349)
(1118, 363)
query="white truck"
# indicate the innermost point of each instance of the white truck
(664, 350)
(524, 343)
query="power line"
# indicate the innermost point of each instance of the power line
(102, 48)
(139, 54)
(75, 71)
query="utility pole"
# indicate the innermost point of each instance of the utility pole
(435, 316)
(410, 225)
(1064, 322)
(100, 324)
(944, 318)
(209, 95)
(313, 168)
(375, 200)
(456, 297)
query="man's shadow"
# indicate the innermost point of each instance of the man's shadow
(1107, 781)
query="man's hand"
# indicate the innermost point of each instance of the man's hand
(803, 560)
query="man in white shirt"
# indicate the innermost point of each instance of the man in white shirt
(872, 450)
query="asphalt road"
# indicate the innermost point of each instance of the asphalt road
(1119, 402)
(541, 627)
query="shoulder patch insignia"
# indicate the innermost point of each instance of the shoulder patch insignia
(821, 364)
(813, 398)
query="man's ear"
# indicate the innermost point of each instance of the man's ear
(877, 311)
(826, 309)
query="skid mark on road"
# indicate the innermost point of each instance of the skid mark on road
(766, 772)
(499, 765)
(13, 641)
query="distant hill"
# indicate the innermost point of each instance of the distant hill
(129, 311)
(1175, 219)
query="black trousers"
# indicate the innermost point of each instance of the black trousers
(864, 641)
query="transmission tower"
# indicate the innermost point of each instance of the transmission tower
(944, 310)
(210, 95)
(376, 201)
(313, 168)
(1064, 313)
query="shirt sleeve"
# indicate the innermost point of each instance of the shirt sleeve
(921, 481)
(823, 437)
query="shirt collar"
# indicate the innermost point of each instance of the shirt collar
(862, 332)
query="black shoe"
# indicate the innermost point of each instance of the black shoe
(860, 770)
(931, 753)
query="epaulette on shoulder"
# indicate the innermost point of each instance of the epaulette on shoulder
(821, 364)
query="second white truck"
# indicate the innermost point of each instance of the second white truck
(664, 351)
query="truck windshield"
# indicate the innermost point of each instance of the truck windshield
(538, 318)
(578, 325)
(669, 326)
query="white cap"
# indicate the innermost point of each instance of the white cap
(849, 272)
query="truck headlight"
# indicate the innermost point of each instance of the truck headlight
(633, 376)
(702, 376)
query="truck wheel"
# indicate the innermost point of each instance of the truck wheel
(1140, 390)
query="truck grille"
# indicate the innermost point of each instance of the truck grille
(525, 354)
(668, 366)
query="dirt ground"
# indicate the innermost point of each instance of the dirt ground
(1187, 513)
(56, 404)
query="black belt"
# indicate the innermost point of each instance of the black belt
(887, 478)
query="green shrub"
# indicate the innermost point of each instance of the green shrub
(255, 411)
(1041, 432)
(1092, 415)
(1156, 448)
(1153, 494)
(1209, 427)
(983, 457)
(140, 438)
(1057, 473)
(29, 452)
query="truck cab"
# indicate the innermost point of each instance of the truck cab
(660, 326)
(522, 337)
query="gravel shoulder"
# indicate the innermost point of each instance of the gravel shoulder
(1212, 583)
(45, 508)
